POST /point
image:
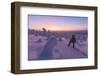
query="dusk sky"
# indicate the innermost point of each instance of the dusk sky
(57, 23)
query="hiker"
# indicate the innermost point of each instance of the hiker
(72, 40)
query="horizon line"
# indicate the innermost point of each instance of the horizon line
(59, 30)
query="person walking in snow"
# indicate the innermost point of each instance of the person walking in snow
(72, 41)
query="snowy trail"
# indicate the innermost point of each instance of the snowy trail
(68, 52)
(60, 51)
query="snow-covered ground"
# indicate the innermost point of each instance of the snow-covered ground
(60, 50)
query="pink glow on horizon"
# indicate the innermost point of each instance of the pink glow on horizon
(57, 27)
